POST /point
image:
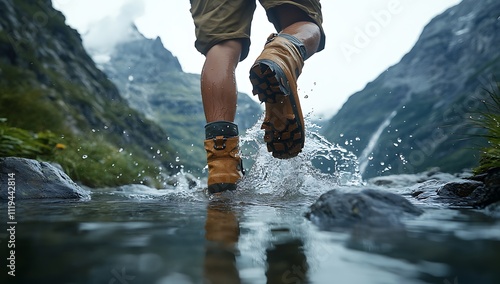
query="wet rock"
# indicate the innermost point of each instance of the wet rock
(477, 191)
(366, 208)
(458, 189)
(402, 180)
(37, 180)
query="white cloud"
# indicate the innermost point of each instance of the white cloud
(103, 35)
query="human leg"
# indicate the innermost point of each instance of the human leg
(218, 81)
(275, 72)
(222, 30)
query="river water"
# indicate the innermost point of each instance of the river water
(257, 234)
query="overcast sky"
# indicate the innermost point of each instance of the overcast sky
(364, 38)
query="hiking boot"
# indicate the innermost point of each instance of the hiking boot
(274, 79)
(225, 166)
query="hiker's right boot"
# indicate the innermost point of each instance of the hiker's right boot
(274, 78)
(225, 167)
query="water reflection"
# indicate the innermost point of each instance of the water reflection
(284, 256)
(287, 263)
(221, 232)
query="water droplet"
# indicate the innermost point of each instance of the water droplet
(382, 163)
(399, 140)
(120, 150)
(177, 159)
(158, 151)
(341, 134)
(358, 139)
(306, 96)
(93, 130)
(395, 144)
(131, 78)
(106, 127)
(314, 83)
(85, 157)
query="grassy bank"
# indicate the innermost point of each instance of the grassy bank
(93, 162)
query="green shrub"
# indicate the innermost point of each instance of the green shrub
(490, 121)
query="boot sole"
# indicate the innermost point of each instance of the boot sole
(221, 187)
(284, 132)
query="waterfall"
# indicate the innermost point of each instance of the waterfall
(363, 158)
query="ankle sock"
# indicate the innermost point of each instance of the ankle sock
(221, 128)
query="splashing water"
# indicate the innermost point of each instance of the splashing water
(319, 167)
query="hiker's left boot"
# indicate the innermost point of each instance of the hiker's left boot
(274, 78)
(225, 167)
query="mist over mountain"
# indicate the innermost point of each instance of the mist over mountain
(416, 115)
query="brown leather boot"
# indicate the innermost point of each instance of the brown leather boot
(225, 166)
(274, 79)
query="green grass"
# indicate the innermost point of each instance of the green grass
(21, 143)
(92, 162)
(490, 121)
(97, 163)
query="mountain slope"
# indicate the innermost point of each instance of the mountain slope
(416, 114)
(48, 82)
(152, 80)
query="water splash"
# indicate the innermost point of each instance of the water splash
(318, 168)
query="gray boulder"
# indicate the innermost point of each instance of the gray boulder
(366, 208)
(477, 191)
(37, 180)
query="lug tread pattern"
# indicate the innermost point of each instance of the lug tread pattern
(284, 134)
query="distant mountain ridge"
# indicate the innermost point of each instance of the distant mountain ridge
(151, 78)
(416, 114)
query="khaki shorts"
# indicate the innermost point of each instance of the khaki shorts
(219, 20)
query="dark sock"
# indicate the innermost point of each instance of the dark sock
(221, 128)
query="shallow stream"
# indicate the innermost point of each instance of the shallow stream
(257, 234)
